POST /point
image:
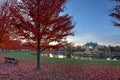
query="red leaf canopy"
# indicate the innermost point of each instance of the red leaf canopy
(40, 21)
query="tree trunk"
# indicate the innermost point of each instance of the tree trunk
(38, 56)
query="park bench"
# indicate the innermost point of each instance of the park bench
(11, 60)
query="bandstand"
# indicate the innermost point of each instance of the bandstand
(91, 47)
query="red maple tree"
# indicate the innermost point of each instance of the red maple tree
(40, 23)
(115, 13)
(4, 23)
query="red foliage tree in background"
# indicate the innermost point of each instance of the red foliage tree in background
(4, 24)
(115, 13)
(40, 23)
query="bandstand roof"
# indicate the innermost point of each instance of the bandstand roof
(90, 44)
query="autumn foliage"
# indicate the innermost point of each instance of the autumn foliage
(4, 21)
(39, 22)
(115, 13)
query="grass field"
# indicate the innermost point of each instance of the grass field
(27, 56)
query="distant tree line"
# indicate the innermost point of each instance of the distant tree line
(115, 49)
(105, 49)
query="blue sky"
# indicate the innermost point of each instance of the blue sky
(92, 22)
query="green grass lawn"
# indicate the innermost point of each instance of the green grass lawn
(28, 57)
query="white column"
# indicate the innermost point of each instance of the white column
(96, 48)
(87, 49)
